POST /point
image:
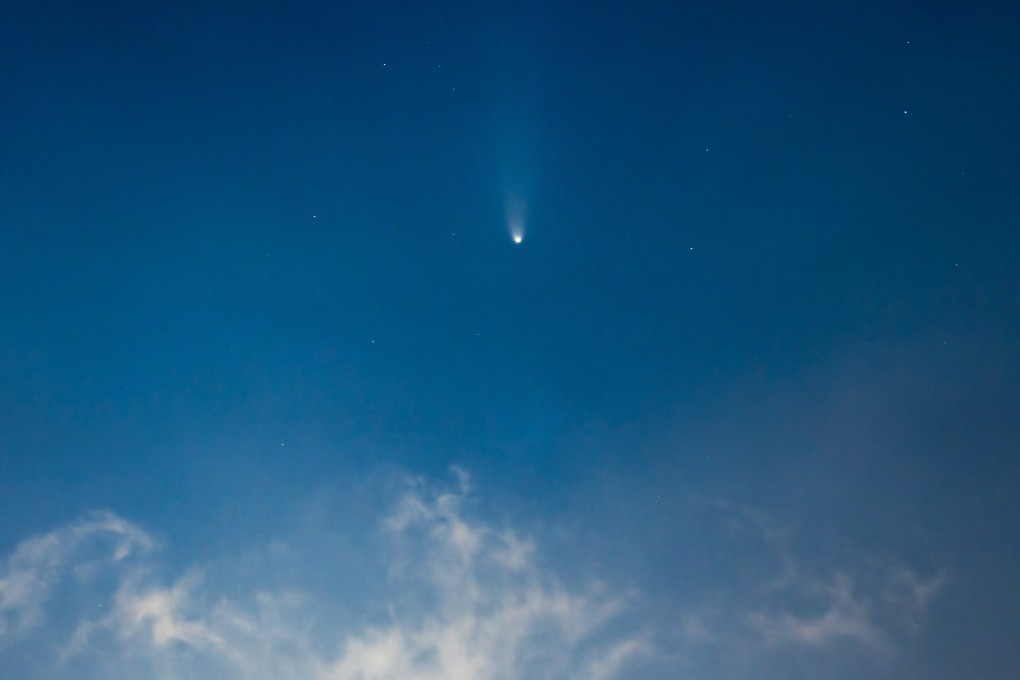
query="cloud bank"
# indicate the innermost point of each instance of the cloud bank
(460, 600)
(467, 601)
(795, 597)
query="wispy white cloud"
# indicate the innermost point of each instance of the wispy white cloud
(608, 665)
(30, 574)
(456, 599)
(798, 598)
(469, 602)
(868, 604)
(845, 616)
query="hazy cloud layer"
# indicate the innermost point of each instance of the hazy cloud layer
(851, 602)
(463, 601)
(87, 600)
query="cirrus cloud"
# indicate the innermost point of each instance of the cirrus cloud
(466, 601)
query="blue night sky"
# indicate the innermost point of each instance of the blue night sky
(282, 399)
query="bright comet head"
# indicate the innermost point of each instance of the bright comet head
(515, 218)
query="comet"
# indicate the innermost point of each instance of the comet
(515, 219)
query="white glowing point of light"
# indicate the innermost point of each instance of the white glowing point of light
(515, 218)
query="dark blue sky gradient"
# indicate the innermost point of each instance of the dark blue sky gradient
(251, 252)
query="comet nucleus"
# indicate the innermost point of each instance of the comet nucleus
(515, 218)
